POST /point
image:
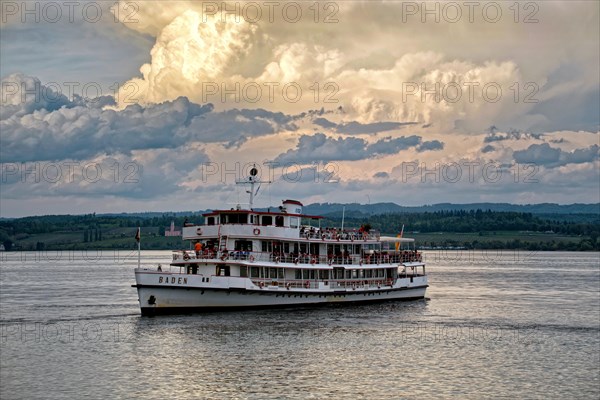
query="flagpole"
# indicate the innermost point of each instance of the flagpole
(139, 242)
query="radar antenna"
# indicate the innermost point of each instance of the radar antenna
(251, 180)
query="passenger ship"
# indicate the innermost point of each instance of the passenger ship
(259, 259)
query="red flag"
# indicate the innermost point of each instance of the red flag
(137, 235)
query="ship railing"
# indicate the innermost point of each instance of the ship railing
(363, 283)
(385, 257)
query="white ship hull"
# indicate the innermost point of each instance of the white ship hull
(170, 293)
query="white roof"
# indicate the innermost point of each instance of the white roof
(395, 239)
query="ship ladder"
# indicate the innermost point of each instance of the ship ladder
(222, 243)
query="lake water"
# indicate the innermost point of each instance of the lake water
(496, 324)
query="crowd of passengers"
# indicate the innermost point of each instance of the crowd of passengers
(377, 257)
(333, 233)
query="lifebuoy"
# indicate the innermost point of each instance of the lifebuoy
(330, 261)
(287, 286)
(199, 231)
(251, 258)
(296, 260)
(224, 257)
(277, 259)
(313, 261)
(256, 231)
(307, 284)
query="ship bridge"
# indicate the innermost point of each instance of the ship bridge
(285, 223)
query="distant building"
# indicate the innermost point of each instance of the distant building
(172, 231)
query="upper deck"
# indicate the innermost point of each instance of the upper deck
(279, 224)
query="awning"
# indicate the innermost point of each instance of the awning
(395, 239)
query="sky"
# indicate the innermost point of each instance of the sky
(134, 106)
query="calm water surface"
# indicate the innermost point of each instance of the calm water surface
(496, 324)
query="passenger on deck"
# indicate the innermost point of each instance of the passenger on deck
(198, 249)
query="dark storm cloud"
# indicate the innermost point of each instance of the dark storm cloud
(319, 147)
(49, 126)
(544, 154)
(494, 136)
(356, 128)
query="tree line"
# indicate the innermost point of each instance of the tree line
(92, 228)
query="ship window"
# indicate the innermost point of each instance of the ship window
(273, 273)
(323, 274)
(243, 271)
(286, 247)
(305, 274)
(298, 274)
(281, 273)
(293, 222)
(210, 221)
(368, 273)
(243, 245)
(267, 246)
(279, 220)
(312, 274)
(235, 218)
(354, 274)
(267, 220)
(254, 272)
(222, 270)
(348, 274)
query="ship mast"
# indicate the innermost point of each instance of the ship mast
(251, 180)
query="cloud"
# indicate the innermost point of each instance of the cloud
(356, 128)
(320, 147)
(23, 95)
(432, 145)
(325, 123)
(81, 132)
(488, 149)
(513, 134)
(544, 154)
(194, 49)
(36, 129)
